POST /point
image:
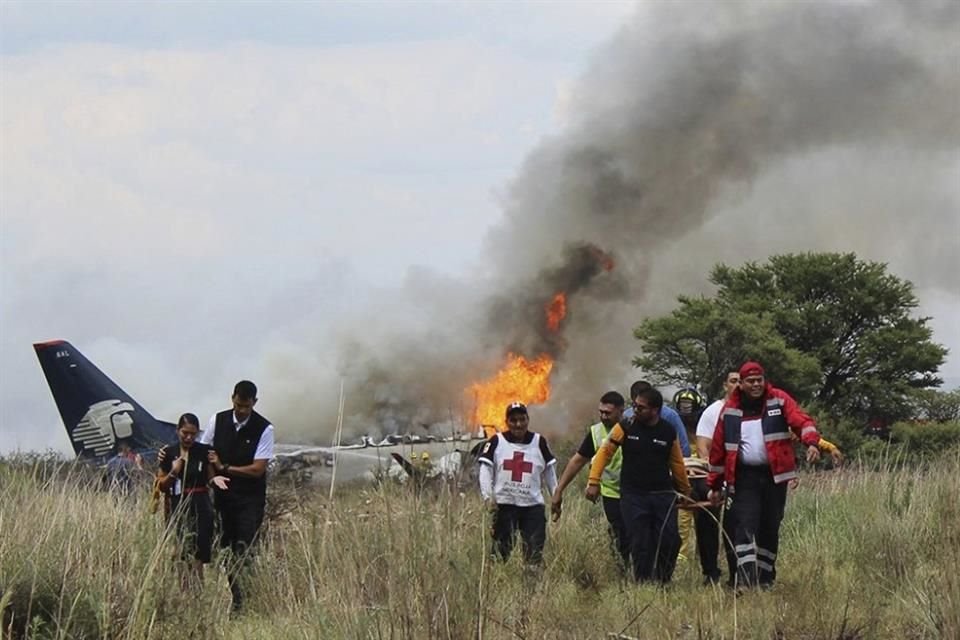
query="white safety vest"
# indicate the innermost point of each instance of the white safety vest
(517, 471)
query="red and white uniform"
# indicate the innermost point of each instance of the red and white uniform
(762, 438)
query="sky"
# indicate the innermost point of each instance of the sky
(192, 193)
(190, 187)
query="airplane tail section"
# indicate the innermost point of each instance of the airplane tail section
(97, 413)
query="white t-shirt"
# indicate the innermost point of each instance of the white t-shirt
(264, 445)
(753, 450)
(708, 420)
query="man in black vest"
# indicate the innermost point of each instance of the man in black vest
(242, 442)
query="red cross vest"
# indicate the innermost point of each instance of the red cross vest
(517, 470)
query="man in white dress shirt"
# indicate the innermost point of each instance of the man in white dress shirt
(242, 442)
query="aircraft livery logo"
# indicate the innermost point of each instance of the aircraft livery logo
(105, 423)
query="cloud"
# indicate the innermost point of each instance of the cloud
(158, 142)
(197, 208)
(194, 205)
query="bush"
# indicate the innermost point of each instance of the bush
(910, 444)
(938, 406)
(923, 441)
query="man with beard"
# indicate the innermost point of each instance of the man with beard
(611, 412)
(651, 475)
(667, 414)
(752, 458)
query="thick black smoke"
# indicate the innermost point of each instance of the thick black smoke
(517, 318)
(703, 132)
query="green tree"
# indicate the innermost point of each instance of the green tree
(939, 406)
(701, 341)
(827, 326)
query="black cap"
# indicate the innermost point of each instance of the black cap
(516, 406)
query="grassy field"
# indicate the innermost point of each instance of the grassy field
(864, 555)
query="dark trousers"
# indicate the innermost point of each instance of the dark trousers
(618, 531)
(758, 506)
(530, 522)
(709, 538)
(651, 522)
(193, 521)
(240, 520)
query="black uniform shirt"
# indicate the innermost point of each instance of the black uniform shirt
(646, 457)
(194, 473)
(587, 448)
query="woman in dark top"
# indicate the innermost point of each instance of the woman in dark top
(185, 476)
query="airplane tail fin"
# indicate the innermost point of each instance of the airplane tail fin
(96, 412)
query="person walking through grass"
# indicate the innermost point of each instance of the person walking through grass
(611, 412)
(752, 460)
(515, 467)
(689, 404)
(185, 475)
(241, 443)
(652, 475)
(710, 539)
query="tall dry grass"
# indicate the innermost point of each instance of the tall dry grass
(864, 554)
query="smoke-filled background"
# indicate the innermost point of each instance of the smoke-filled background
(697, 133)
(704, 133)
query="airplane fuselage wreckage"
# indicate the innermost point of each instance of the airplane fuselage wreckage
(99, 416)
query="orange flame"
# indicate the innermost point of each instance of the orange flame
(556, 311)
(604, 259)
(520, 380)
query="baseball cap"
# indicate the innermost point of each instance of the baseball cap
(516, 406)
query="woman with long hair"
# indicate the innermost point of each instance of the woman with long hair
(186, 476)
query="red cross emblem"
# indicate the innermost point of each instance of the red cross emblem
(517, 466)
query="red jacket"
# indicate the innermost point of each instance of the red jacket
(780, 413)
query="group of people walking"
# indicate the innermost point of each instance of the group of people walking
(733, 481)
(641, 467)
